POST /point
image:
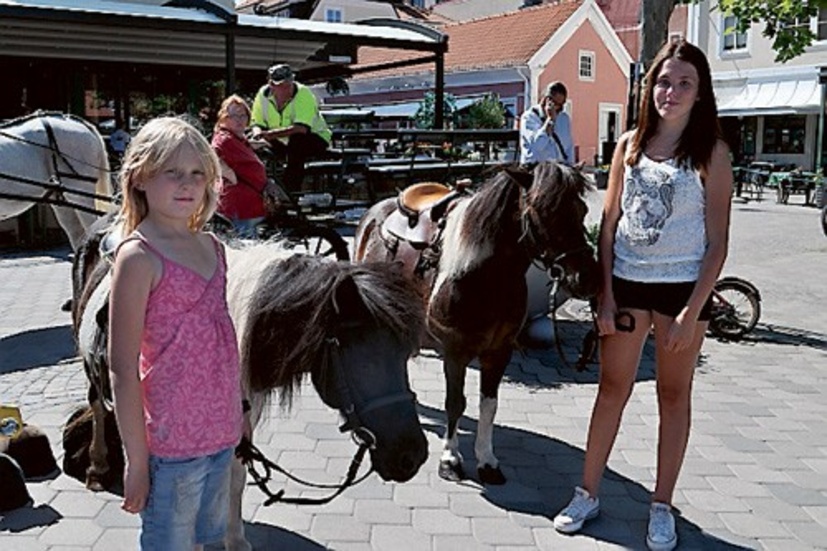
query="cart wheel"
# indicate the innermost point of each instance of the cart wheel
(318, 241)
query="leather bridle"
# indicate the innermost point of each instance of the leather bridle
(353, 413)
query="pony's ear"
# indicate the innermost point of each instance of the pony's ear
(522, 174)
(347, 301)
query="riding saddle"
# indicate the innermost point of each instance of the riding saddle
(419, 208)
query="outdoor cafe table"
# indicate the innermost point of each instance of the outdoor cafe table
(792, 182)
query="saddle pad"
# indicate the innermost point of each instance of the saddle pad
(419, 236)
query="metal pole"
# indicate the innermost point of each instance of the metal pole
(819, 168)
(439, 91)
(230, 60)
(632, 100)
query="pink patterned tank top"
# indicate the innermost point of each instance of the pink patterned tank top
(189, 366)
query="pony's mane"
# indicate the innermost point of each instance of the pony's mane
(555, 187)
(290, 310)
(474, 225)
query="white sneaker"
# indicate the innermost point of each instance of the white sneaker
(661, 536)
(581, 508)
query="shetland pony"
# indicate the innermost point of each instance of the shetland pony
(476, 290)
(350, 328)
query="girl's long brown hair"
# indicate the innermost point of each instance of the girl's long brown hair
(703, 130)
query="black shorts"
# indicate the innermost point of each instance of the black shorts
(664, 298)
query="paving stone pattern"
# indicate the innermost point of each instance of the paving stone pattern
(755, 475)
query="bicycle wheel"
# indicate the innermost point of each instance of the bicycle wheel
(735, 311)
(318, 241)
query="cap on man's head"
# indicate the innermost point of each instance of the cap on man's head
(556, 87)
(279, 73)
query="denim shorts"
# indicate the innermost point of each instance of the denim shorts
(188, 502)
(664, 298)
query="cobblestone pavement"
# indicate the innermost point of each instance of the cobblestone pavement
(755, 475)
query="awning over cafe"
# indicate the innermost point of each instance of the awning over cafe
(799, 95)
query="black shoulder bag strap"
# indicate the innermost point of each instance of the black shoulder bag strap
(554, 135)
(559, 145)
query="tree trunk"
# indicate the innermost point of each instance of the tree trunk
(654, 28)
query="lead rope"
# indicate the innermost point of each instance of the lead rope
(250, 454)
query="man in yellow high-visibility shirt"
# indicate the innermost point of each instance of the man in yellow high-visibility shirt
(286, 115)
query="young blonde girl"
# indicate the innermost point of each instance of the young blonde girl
(172, 350)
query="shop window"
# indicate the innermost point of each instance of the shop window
(784, 134)
(821, 24)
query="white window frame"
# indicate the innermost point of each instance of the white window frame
(814, 23)
(333, 10)
(586, 54)
(734, 50)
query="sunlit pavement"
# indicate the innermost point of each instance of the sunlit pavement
(755, 475)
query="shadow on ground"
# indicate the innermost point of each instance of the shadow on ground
(24, 518)
(36, 348)
(266, 536)
(790, 336)
(15, 253)
(541, 473)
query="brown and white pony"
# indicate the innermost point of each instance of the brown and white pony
(476, 289)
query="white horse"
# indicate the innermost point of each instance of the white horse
(56, 159)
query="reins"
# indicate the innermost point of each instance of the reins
(250, 455)
(54, 188)
(624, 321)
(360, 434)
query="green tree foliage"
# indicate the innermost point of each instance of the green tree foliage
(487, 113)
(424, 117)
(779, 18)
(786, 22)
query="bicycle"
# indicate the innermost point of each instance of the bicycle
(736, 308)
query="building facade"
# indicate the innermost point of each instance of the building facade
(770, 111)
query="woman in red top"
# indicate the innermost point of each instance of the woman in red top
(243, 185)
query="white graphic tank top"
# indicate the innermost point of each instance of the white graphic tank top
(661, 234)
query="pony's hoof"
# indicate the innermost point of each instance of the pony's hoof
(95, 484)
(452, 472)
(491, 475)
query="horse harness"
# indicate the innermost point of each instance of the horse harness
(54, 187)
(362, 436)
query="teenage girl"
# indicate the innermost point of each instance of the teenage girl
(663, 241)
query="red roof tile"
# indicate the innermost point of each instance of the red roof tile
(497, 41)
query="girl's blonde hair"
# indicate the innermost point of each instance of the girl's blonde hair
(224, 111)
(150, 150)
